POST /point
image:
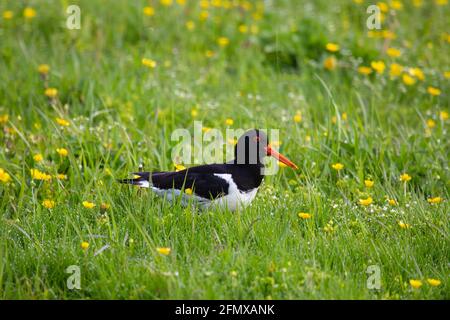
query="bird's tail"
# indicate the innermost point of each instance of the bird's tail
(141, 179)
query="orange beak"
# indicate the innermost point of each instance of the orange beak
(280, 157)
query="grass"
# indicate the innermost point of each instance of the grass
(122, 113)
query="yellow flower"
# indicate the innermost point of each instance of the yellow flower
(223, 41)
(396, 5)
(163, 251)
(417, 3)
(330, 63)
(38, 175)
(392, 202)
(443, 115)
(179, 167)
(43, 68)
(149, 63)
(88, 205)
(298, 117)
(229, 122)
(233, 274)
(395, 70)
(243, 28)
(404, 177)
(433, 91)
(204, 15)
(447, 74)
(51, 92)
(104, 206)
(181, 2)
(408, 80)
(366, 202)
(434, 282)
(62, 122)
(4, 176)
(417, 72)
(4, 118)
(29, 13)
(49, 204)
(188, 191)
(84, 245)
(209, 53)
(441, 2)
(383, 7)
(403, 225)
(365, 70)
(166, 2)
(337, 166)
(149, 11)
(416, 284)
(62, 152)
(431, 123)
(393, 52)
(190, 25)
(194, 112)
(378, 66)
(304, 215)
(7, 14)
(38, 157)
(369, 183)
(61, 176)
(332, 47)
(435, 200)
(388, 34)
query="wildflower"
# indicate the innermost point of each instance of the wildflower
(392, 202)
(396, 5)
(84, 245)
(435, 200)
(38, 175)
(8, 14)
(43, 68)
(4, 176)
(417, 72)
(416, 284)
(149, 11)
(223, 41)
(61, 176)
(188, 191)
(233, 273)
(243, 28)
(190, 25)
(179, 167)
(443, 115)
(337, 166)
(298, 117)
(447, 74)
(38, 157)
(163, 251)
(209, 53)
(49, 204)
(149, 63)
(392, 52)
(395, 70)
(304, 215)
(104, 206)
(330, 63)
(62, 152)
(204, 15)
(431, 123)
(366, 202)
(365, 70)
(194, 112)
(62, 122)
(29, 13)
(378, 66)
(417, 3)
(433, 91)
(441, 2)
(369, 183)
(408, 80)
(88, 205)
(403, 225)
(4, 118)
(166, 3)
(434, 282)
(332, 47)
(232, 141)
(229, 122)
(404, 177)
(254, 29)
(51, 92)
(383, 7)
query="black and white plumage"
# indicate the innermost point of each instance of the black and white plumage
(231, 185)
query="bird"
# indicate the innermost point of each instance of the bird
(230, 185)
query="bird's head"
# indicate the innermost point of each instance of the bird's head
(253, 146)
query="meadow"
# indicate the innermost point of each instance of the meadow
(363, 112)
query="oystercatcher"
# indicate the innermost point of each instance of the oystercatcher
(232, 185)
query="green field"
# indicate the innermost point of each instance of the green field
(81, 108)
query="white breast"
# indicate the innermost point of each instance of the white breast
(234, 199)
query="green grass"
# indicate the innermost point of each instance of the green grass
(122, 113)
